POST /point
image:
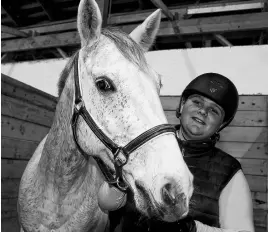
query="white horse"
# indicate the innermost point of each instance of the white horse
(108, 119)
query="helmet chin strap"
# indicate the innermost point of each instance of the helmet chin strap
(181, 132)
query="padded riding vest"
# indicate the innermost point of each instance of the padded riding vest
(212, 170)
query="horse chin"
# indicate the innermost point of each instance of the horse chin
(162, 214)
(153, 210)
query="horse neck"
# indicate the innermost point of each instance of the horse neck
(61, 162)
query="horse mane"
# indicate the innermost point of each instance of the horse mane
(124, 43)
(64, 74)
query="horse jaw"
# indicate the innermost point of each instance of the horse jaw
(145, 33)
(89, 22)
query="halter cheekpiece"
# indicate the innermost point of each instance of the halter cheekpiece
(120, 154)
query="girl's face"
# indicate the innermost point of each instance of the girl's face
(200, 117)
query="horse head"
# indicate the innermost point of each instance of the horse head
(121, 93)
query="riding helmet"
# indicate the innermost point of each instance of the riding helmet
(217, 88)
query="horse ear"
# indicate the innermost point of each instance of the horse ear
(145, 33)
(89, 21)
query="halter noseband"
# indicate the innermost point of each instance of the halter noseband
(120, 154)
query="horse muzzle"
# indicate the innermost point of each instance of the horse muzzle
(173, 204)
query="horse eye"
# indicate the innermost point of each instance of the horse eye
(104, 85)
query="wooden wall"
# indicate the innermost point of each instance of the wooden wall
(27, 114)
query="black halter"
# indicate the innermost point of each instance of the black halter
(121, 154)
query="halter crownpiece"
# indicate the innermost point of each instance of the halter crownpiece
(121, 154)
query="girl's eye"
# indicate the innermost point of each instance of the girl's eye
(213, 111)
(196, 102)
(104, 85)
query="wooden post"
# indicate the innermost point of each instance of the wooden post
(222, 40)
(163, 7)
(62, 53)
(208, 43)
(173, 19)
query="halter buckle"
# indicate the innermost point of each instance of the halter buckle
(79, 103)
(120, 158)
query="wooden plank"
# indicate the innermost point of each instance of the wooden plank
(223, 7)
(10, 188)
(17, 149)
(187, 10)
(13, 31)
(12, 168)
(257, 183)
(25, 111)
(260, 216)
(251, 102)
(259, 200)
(11, 225)
(245, 150)
(218, 24)
(260, 229)
(254, 166)
(16, 89)
(245, 134)
(60, 26)
(246, 102)
(9, 208)
(18, 129)
(242, 118)
(250, 118)
(138, 16)
(38, 42)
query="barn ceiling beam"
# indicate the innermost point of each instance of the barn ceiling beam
(220, 24)
(174, 19)
(190, 10)
(105, 7)
(49, 8)
(138, 17)
(13, 31)
(12, 12)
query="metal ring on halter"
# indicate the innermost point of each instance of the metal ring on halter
(122, 188)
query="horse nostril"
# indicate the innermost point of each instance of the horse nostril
(171, 196)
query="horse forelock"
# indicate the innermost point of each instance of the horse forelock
(127, 46)
(124, 43)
